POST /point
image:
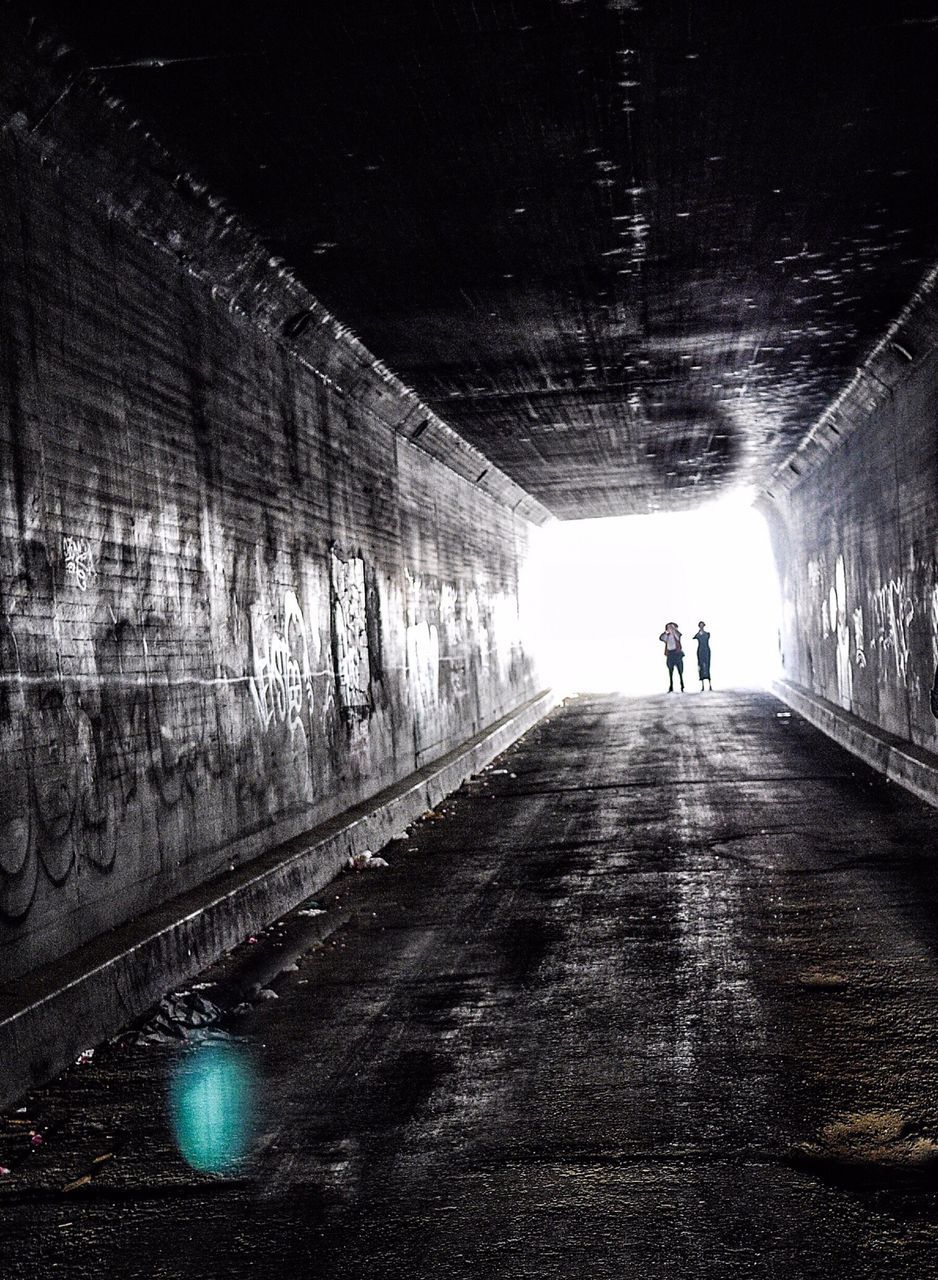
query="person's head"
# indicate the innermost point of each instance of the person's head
(700, 626)
(670, 626)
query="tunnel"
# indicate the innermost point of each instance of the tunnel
(356, 361)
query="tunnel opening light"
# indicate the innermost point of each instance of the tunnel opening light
(602, 591)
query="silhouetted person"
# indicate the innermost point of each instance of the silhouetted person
(674, 653)
(703, 655)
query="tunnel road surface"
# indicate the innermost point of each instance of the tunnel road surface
(654, 996)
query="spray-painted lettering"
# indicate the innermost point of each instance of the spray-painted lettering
(353, 668)
(79, 562)
(282, 679)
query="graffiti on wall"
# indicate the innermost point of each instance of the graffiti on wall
(859, 640)
(880, 637)
(841, 630)
(87, 760)
(79, 561)
(350, 634)
(141, 737)
(281, 681)
(893, 610)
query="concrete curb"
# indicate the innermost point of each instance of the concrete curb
(901, 762)
(48, 1017)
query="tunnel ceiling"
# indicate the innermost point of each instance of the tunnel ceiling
(628, 248)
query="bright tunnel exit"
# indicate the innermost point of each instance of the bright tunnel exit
(602, 591)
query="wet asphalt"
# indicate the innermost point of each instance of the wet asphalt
(656, 995)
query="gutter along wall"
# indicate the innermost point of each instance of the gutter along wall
(854, 520)
(246, 578)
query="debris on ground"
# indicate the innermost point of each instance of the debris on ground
(818, 980)
(79, 1182)
(183, 1015)
(84, 1057)
(97, 1166)
(311, 911)
(884, 1140)
(365, 861)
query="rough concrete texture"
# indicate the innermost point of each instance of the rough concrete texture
(909, 766)
(657, 1000)
(46, 1017)
(235, 598)
(854, 522)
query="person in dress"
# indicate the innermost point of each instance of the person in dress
(703, 655)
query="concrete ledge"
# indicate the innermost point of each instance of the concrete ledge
(47, 1017)
(900, 761)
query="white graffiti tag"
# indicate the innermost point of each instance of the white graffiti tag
(79, 562)
(351, 632)
(283, 677)
(860, 643)
(893, 611)
(842, 632)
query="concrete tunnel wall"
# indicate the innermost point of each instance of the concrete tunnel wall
(854, 522)
(236, 596)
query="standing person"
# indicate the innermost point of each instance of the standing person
(703, 655)
(671, 637)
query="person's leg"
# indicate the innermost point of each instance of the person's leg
(680, 671)
(670, 674)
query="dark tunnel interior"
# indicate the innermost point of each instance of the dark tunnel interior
(629, 250)
(468, 639)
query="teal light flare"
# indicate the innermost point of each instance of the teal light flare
(211, 1103)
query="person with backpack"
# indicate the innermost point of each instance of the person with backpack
(674, 654)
